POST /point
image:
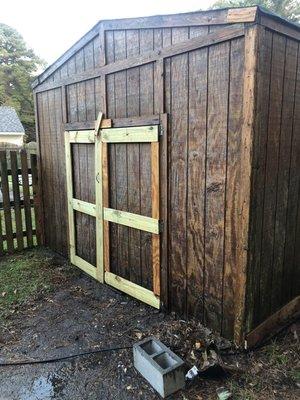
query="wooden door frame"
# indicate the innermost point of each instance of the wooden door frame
(134, 134)
(84, 137)
(77, 130)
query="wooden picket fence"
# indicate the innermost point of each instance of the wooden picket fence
(19, 201)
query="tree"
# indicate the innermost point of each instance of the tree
(289, 9)
(18, 64)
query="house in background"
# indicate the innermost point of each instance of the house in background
(11, 129)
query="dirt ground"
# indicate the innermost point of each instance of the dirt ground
(73, 314)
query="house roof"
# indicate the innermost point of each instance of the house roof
(209, 17)
(9, 121)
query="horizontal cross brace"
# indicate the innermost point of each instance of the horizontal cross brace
(84, 265)
(84, 207)
(132, 289)
(140, 134)
(82, 136)
(136, 221)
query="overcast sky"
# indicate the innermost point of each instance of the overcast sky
(50, 27)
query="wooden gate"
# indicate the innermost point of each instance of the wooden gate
(114, 222)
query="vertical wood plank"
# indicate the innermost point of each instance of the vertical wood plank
(257, 189)
(121, 155)
(233, 182)
(291, 250)
(155, 214)
(41, 220)
(217, 114)
(178, 176)
(69, 182)
(271, 165)
(26, 195)
(196, 182)
(17, 200)
(36, 196)
(251, 45)
(287, 109)
(6, 202)
(99, 209)
(163, 177)
(133, 158)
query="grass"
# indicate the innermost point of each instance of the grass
(28, 275)
(272, 372)
(23, 276)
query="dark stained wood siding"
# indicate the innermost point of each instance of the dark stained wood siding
(204, 100)
(273, 272)
(203, 97)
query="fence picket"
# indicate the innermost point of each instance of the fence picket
(17, 199)
(6, 203)
(36, 198)
(26, 195)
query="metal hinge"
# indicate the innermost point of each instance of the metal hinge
(161, 130)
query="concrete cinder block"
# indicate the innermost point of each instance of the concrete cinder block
(162, 368)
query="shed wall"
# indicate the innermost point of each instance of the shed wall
(273, 273)
(203, 97)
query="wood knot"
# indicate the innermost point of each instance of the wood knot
(214, 187)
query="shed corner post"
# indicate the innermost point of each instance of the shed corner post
(41, 211)
(247, 138)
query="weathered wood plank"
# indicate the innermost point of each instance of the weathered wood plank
(275, 323)
(17, 200)
(249, 95)
(258, 177)
(196, 182)
(233, 182)
(26, 195)
(182, 47)
(133, 158)
(269, 204)
(285, 135)
(36, 197)
(217, 116)
(178, 177)
(6, 202)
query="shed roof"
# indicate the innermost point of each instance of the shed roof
(208, 17)
(9, 120)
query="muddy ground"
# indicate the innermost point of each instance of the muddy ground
(78, 314)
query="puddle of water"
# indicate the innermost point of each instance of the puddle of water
(42, 389)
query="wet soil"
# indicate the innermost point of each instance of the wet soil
(81, 315)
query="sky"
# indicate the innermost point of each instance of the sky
(50, 27)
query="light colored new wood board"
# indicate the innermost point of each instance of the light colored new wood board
(155, 215)
(99, 209)
(82, 136)
(135, 221)
(84, 207)
(69, 181)
(143, 134)
(132, 289)
(85, 266)
(105, 195)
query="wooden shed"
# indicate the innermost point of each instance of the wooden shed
(187, 197)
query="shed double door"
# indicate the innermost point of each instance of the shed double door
(113, 207)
